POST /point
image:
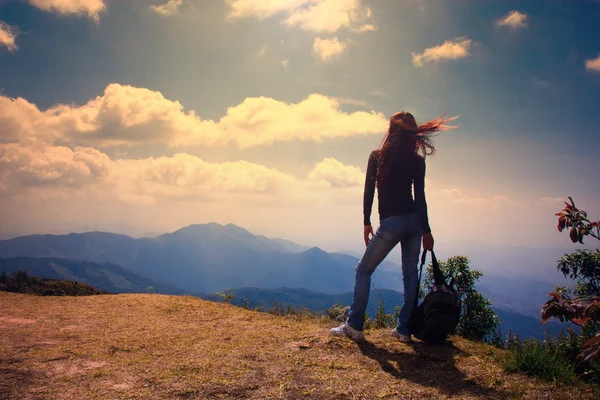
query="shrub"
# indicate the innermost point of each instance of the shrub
(338, 312)
(477, 322)
(535, 359)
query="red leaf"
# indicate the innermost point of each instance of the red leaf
(574, 235)
(580, 321)
(592, 341)
(561, 224)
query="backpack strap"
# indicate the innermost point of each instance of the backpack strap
(423, 258)
(438, 277)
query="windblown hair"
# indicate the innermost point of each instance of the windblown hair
(406, 140)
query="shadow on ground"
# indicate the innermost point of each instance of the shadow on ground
(13, 382)
(430, 366)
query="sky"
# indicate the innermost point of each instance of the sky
(145, 116)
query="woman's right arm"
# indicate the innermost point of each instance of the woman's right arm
(369, 188)
(368, 197)
(421, 204)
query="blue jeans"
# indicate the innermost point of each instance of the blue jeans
(407, 230)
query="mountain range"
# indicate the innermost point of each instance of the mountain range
(208, 258)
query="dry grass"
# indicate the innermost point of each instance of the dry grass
(167, 347)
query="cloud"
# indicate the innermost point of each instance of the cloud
(352, 102)
(260, 121)
(167, 9)
(126, 116)
(365, 28)
(60, 172)
(310, 15)
(453, 197)
(513, 19)
(377, 93)
(449, 50)
(52, 165)
(77, 7)
(335, 174)
(593, 64)
(262, 51)
(327, 49)
(7, 37)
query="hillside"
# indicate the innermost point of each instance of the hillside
(168, 347)
(105, 276)
(22, 282)
(206, 258)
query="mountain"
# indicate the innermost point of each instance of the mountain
(525, 326)
(109, 277)
(206, 258)
(213, 257)
(303, 298)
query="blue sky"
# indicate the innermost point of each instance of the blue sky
(154, 120)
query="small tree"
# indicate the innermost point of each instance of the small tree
(478, 322)
(583, 266)
(226, 295)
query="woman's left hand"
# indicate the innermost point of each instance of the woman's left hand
(368, 231)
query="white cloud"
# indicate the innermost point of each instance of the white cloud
(365, 28)
(90, 7)
(285, 64)
(262, 51)
(259, 121)
(7, 37)
(261, 9)
(449, 50)
(335, 174)
(52, 165)
(352, 102)
(377, 93)
(311, 15)
(60, 172)
(167, 9)
(593, 64)
(327, 49)
(126, 116)
(513, 19)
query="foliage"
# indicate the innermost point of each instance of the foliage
(537, 359)
(478, 322)
(150, 290)
(582, 266)
(338, 312)
(22, 282)
(226, 296)
(576, 219)
(383, 320)
(583, 309)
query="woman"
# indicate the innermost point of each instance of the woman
(394, 168)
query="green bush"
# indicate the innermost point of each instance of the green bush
(338, 312)
(535, 359)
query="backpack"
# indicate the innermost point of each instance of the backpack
(437, 316)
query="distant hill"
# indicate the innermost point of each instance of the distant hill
(109, 277)
(206, 258)
(22, 282)
(524, 325)
(213, 257)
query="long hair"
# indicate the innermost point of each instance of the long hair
(405, 139)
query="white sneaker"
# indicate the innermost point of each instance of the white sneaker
(402, 338)
(346, 330)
